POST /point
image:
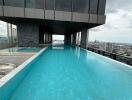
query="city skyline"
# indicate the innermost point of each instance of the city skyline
(118, 27)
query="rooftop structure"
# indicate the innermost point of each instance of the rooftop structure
(37, 20)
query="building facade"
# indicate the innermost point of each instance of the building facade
(37, 20)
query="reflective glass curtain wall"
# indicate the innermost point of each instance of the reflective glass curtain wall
(49, 4)
(101, 8)
(63, 5)
(14, 3)
(93, 6)
(81, 6)
(39, 4)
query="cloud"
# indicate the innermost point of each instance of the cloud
(95, 29)
(119, 4)
(118, 27)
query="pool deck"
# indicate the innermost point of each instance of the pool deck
(17, 60)
(13, 72)
(14, 58)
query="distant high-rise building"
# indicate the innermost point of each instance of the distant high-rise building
(109, 47)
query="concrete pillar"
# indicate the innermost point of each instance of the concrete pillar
(41, 38)
(41, 35)
(46, 38)
(74, 39)
(50, 38)
(65, 39)
(78, 38)
(28, 35)
(84, 38)
(68, 39)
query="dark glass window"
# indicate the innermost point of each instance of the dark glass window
(93, 6)
(63, 5)
(15, 3)
(1, 2)
(101, 9)
(49, 4)
(81, 6)
(39, 4)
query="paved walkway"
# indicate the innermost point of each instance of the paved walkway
(17, 59)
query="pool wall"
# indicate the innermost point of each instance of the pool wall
(9, 83)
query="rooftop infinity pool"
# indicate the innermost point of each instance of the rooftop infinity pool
(69, 73)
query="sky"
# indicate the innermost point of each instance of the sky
(58, 37)
(118, 27)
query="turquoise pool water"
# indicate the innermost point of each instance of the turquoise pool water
(19, 49)
(71, 73)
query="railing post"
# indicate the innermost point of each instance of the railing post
(103, 53)
(114, 56)
(98, 51)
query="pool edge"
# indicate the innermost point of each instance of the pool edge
(10, 75)
(105, 57)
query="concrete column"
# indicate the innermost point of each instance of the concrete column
(68, 39)
(41, 35)
(65, 39)
(74, 39)
(71, 38)
(46, 38)
(84, 38)
(50, 38)
(28, 35)
(77, 38)
(41, 38)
